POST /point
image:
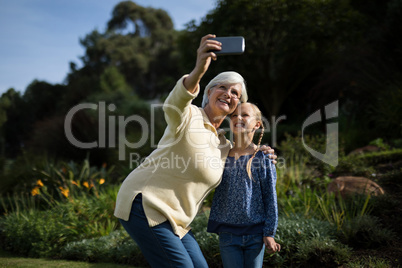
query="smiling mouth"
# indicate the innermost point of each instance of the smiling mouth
(238, 125)
(223, 101)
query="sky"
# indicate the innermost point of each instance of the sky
(39, 38)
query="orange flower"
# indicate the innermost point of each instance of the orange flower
(102, 181)
(64, 192)
(39, 183)
(35, 191)
(85, 183)
(75, 183)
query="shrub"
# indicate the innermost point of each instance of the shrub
(370, 262)
(337, 209)
(292, 230)
(117, 247)
(363, 164)
(18, 175)
(44, 232)
(374, 158)
(365, 232)
(36, 234)
(353, 166)
(293, 147)
(321, 252)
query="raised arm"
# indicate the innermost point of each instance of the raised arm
(204, 56)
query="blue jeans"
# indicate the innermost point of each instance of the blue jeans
(241, 250)
(159, 245)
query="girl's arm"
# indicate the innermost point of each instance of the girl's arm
(268, 185)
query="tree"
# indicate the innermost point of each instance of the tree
(140, 43)
(12, 127)
(289, 44)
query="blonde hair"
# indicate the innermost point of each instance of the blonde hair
(228, 77)
(258, 116)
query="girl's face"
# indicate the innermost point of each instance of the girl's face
(243, 119)
(224, 97)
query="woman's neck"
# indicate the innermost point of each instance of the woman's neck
(215, 119)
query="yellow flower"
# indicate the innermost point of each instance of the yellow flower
(64, 192)
(35, 191)
(102, 181)
(85, 183)
(39, 183)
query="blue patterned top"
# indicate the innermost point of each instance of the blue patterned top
(243, 205)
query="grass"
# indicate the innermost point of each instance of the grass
(10, 260)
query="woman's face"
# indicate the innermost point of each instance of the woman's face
(224, 97)
(243, 119)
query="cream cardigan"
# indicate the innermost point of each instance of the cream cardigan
(177, 176)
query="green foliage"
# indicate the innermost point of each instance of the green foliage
(365, 232)
(298, 200)
(42, 99)
(288, 45)
(336, 209)
(112, 80)
(295, 230)
(139, 42)
(78, 224)
(18, 175)
(34, 232)
(379, 142)
(322, 252)
(293, 149)
(35, 175)
(5, 103)
(365, 164)
(369, 262)
(116, 247)
(375, 158)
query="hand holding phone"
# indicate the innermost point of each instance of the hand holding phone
(231, 45)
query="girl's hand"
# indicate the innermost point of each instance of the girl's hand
(270, 245)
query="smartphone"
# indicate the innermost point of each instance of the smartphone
(231, 45)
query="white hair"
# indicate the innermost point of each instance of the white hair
(226, 78)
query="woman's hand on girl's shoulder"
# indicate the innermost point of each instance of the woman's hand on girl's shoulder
(270, 152)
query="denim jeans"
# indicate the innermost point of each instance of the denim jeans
(159, 245)
(241, 250)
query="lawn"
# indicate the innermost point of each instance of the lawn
(10, 260)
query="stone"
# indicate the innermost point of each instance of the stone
(349, 185)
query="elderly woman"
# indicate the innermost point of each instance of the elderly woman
(160, 198)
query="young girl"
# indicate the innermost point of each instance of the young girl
(244, 209)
